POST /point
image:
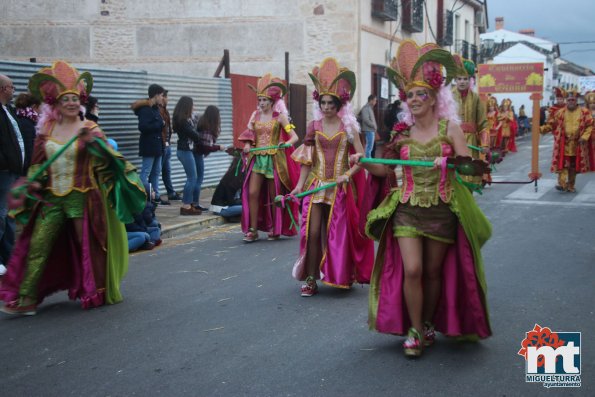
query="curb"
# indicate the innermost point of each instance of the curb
(186, 228)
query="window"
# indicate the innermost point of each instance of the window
(386, 10)
(447, 34)
(413, 15)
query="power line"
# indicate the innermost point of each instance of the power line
(577, 42)
(587, 50)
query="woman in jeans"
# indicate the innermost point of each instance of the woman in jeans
(191, 161)
(208, 128)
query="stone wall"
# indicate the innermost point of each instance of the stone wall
(187, 37)
(182, 36)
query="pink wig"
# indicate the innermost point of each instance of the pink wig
(49, 114)
(445, 108)
(280, 107)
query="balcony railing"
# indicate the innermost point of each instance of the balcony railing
(473, 53)
(462, 47)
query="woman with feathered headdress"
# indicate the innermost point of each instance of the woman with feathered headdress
(493, 123)
(508, 127)
(331, 247)
(270, 172)
(428, 274)
(74, 238)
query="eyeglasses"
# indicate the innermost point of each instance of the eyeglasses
(66, 99)
(9, 86)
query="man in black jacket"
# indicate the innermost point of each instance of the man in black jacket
(150, 145)
(12, 155)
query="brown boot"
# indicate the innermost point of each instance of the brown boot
(190, 211)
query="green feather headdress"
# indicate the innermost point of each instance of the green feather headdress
(49, 84)
(331, 79)
(269, 87)
(421, 66)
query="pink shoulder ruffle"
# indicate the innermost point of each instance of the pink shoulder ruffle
(247, 135)
(303, 154)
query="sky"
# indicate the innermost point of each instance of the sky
(559, 21)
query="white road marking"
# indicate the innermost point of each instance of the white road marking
(551, 203)
(586, 194)
(527, 192)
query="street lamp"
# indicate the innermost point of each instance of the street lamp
(487, 47)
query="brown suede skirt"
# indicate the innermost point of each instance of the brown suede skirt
(437, 222)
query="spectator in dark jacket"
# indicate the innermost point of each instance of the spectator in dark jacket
(166, 133)
(12, 157)
(150, 146)
(27, 108)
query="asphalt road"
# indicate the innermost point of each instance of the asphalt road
(208, 315)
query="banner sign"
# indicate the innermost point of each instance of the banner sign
(510, 77)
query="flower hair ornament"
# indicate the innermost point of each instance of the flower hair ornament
(330, 78)
(416, 66)
(49, 84)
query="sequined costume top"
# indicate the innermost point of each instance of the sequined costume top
(423, 186)
(328, 156)
(262, 133)
(70, 171)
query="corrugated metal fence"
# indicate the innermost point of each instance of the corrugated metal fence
(117, 89)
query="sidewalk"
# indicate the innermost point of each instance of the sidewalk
(173, 224)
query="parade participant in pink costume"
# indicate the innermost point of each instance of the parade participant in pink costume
(331, 246)
(428, 274)
(74, 238)
(270, 172)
